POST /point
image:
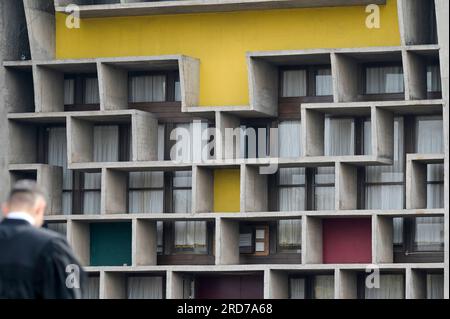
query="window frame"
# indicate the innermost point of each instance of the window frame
(79, 90)
(362, 83)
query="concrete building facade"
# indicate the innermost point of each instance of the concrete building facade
(350, 100)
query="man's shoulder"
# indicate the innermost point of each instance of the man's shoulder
(42, 236)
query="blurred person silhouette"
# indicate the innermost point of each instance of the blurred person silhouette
(35, 263)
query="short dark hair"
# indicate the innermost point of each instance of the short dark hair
(25, 192)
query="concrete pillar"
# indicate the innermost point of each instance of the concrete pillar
(79, 238)
(346, 82)
(80, 141)
(144, 127)
(416, 184)
(382, 240)
(254, 187)
(382, 132)
(189, 69)
(50, 180)
(114, 191)
(278, 284)
(442, 14)
(415, 72)
(174, 285)
(312, 241)
(113, 87)
(114, 286)
(346, 189)
(49, 89)
(227, 242)
(202, 190)
(345, 284)
(144, 242)
(313, 124)
(263, 85)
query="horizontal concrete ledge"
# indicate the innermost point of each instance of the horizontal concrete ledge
(264, 267)
(260, 216)
(426, 158)
(313, 161)
(197, 6)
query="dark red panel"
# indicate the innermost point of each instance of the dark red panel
(229, 287)
(347, 240)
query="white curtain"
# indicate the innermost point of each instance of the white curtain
(367, 140)
(391, 287)
(148, 201)
(289, 139)
(435, 286)
(290, 233)
(387, 196)
(177, 91)
(190, 234)
(324, 195)
(106, 149)
(324, 82)
(429, 140)
(380, 80)
(291, 198)
(57, 156)
(294, 83)
(324, 287)
(398, 230)
(182, 197)
(91, 91)
(147, 88)
(339, 136)
(297, 287)
(93, 288)
(69, 91)
(433, 78)
(140, 287)
(429, 234)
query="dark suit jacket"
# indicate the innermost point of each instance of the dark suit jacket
(33, 263)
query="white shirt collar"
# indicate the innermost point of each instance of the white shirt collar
(22, 216)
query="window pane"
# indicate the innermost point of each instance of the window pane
(190, 235)
(145, 201)
(297, 287)
(292, 176)
(93, 288)
(380, 80)
(339, 136)
(291, 198)
(294, 83)
(324, 82)
(182, 201)
(435, 286)
(384, 196)
(91, 91)
(324, 287)
(433, 78)
(290, 233)
(145, 287)
(429, 135)
(324, 198)
(69, 91)
(398, 230)
(289, 139)
(429, 234)
(91, 195)
(147, 88)
(177, 91)
(106, 143)
(391, 287)
(182, 179)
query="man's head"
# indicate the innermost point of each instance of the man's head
(26, 197)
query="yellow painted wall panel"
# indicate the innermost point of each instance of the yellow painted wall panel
(227, 190)
(221, 40)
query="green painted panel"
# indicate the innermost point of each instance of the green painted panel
(110, 244)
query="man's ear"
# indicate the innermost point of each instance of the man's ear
(5, 209)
